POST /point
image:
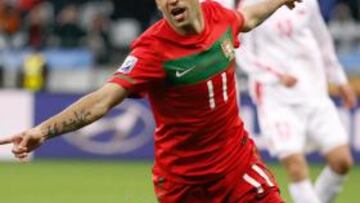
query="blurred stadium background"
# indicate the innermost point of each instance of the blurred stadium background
(53, 52)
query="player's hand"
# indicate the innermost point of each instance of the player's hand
(24, 142)
(348, 96)
(287, 80)
(291, 3)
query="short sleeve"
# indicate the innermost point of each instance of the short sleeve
(237, 23)
(232, 17)
(237, 19)
(138, 72)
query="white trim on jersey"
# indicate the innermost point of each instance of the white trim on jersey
(224, 86)
(253, 182)
(211, 94)
(262, 174)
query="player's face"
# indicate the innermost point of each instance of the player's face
(180, 13)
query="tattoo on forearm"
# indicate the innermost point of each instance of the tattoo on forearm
(52, 131)
(80, 119)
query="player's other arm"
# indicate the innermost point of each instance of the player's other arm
(257, 13)
(81, 113)
(334, 70)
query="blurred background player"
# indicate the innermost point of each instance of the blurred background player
(290, 59)
(199, 136)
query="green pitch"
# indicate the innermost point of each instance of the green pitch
(105, 182)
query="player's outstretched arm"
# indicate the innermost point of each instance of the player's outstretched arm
(334, 71)
(83, 112)
(257, 13)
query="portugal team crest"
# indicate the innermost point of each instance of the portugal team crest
(228, 49)
(128, 64)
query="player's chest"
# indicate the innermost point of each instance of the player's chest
(196, 67)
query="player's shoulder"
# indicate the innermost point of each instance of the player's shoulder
(218, 13)
(213, 8)
(210, 3)
(149, 42)
(149, 37)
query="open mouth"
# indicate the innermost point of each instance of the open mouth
(178, 13)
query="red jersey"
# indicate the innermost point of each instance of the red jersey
(190, 83)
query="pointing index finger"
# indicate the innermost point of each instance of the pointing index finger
(6, 140)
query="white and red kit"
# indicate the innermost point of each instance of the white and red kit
(296, 42)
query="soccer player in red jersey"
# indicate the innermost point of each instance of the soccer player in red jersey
(184, 65)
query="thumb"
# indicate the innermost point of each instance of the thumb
(24, 143)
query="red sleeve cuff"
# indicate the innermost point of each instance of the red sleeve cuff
(127, 85)
(123, 83)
